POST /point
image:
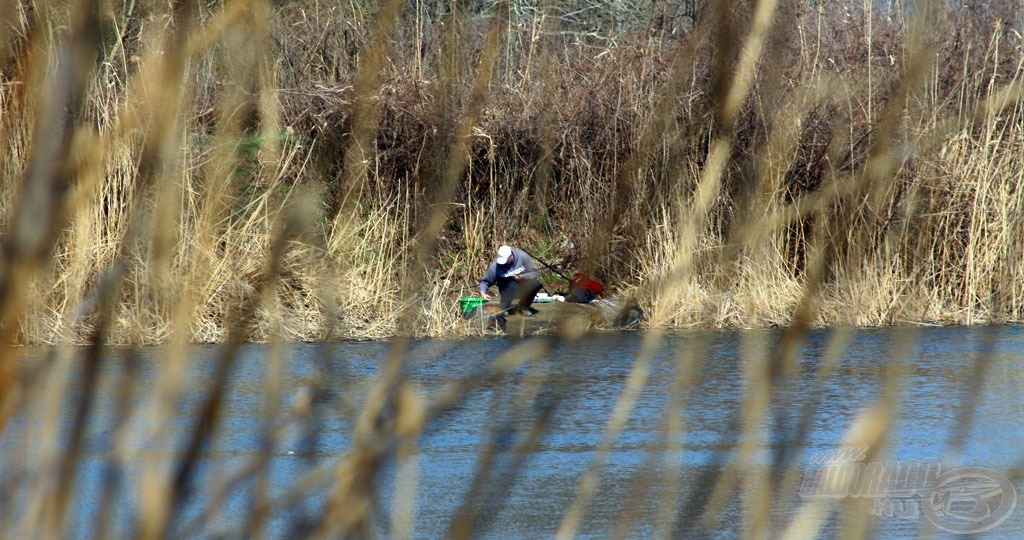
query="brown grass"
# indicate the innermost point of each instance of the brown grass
(198, 172)
(622, 153)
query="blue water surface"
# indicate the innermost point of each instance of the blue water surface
(950, 376)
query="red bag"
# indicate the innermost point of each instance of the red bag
(581, 281)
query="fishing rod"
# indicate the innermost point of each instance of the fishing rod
(534, 257)
(556, 269)
(548, 266)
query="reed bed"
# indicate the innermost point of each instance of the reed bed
(585, 141)
(245, 171)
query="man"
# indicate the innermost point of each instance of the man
(515, 274)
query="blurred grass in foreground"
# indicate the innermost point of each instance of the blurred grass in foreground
(246, 172)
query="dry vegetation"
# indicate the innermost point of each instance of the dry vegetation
(643, 145)
(240, 171)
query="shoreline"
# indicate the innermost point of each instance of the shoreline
(466, 332)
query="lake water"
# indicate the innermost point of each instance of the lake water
(574, 389)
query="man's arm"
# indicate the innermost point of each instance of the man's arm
(530, 267)
(488, 280)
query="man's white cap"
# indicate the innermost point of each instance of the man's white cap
(504, 252)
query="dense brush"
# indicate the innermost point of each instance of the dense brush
(252, 171)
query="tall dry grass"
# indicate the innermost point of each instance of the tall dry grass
(612, 145)
(309, 171)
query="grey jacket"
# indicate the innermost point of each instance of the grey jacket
(502, 274)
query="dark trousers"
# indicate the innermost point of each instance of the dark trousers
(524, 291)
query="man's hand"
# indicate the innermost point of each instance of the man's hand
(517, 277)
(486, 296)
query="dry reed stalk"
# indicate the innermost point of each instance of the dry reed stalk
(737, 313)
(149, 233)
(365, 116)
